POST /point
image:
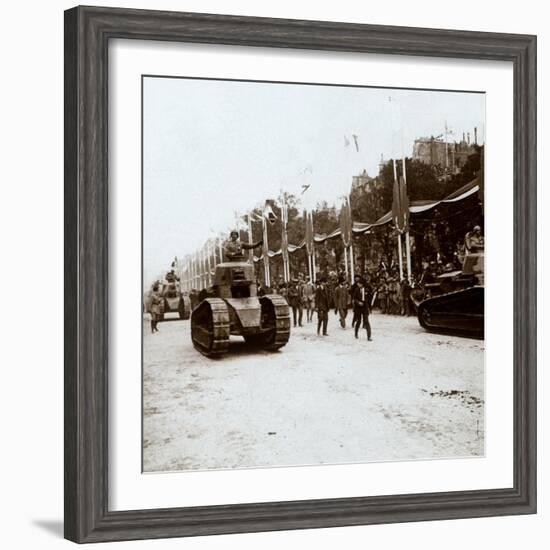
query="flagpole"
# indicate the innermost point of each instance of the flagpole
(267, 277)
(400, 252)
(251, 250)
(314, 264)
(186, 274)
(198, 270)
(201, 271)
(203, 257)
(313, 260)
(220, 249)
(208, 250)
(407, 234)
(346, 262)
(206, 266)
(352, 259)
(309, 224)
(192, 271)
(399, 246)
(284, 240)
(212, 252)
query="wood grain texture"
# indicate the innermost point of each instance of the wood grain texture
(87, 33)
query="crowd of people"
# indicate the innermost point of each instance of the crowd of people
(381, 289)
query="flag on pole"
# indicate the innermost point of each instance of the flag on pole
(268, 216)
(284, 238)
(400, 205)
(404, 198)
(309, 232)
(345, 222)
(355, 139)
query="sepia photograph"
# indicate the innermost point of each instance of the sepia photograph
(312, 274)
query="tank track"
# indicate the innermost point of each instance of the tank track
(275, 311)
(456, 326)
(184, 308)
(210, 327)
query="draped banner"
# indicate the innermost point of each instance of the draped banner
(345, 223)
(470, 189)
(284, 240)
(400, 206)
(309, 232)
(404, 200)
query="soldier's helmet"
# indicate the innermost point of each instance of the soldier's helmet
(234, 232)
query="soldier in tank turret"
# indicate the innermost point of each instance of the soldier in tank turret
(473, 240)
(233, 248)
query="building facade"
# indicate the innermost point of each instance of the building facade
(443, 154)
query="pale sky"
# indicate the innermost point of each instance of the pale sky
(212, 147)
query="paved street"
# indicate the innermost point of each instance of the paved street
(334, 399)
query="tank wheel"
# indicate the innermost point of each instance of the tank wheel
(275, 322)
(210, 327)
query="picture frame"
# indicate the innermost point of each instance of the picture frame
(87, 34)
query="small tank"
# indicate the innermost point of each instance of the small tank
(174, 300)
(455, 302)
(232, 307)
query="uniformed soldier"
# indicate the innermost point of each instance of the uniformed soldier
(295, 301)
(341, 298)
(155, 308)
(233, 248)
(309, 299)
(473, 240)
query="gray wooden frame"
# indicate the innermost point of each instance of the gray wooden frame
(87, 34)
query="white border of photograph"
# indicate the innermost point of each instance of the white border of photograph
(129, 488)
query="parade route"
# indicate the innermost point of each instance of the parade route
(407, 395)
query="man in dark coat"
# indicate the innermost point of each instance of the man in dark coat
(294, 299)
(341, 296)
(322, 306)
(356, 279)
(361, 305)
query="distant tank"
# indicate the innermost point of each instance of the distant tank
(174, 300)
(232, 307)
(455, 302)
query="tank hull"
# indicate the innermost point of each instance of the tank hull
(460, 312)
(179, 304)
(263, 322)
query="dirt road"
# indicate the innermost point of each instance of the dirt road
(334, 399)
